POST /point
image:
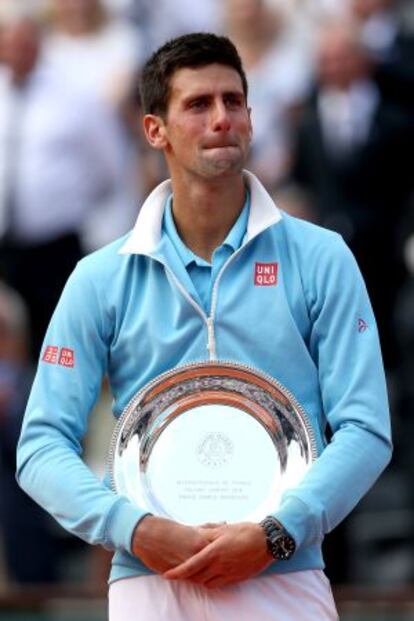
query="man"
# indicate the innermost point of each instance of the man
(60, 162)
(182, 288)
(30, 552)
(352, 157)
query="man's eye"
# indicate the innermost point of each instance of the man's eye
(233, 101)
(198, 104)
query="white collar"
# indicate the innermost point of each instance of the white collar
(146, 234)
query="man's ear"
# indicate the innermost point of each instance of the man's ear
(154, 128)
(249, 111)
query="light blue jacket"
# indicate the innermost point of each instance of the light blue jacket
(130, 310)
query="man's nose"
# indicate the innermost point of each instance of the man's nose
(221, 117)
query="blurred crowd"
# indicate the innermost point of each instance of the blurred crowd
(331, 86)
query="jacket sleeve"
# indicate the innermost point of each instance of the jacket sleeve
(67, 384)
(344, 345)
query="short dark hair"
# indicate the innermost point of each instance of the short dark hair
(188, 51)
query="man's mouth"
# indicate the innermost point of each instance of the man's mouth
(220, 146)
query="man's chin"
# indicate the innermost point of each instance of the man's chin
(223, 166)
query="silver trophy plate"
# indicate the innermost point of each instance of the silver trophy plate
(210, 442)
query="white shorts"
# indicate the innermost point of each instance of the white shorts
(296, 596)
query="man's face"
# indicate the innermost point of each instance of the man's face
(74, 9)
(340, 62)
(207, 129)
(20, 48)
(243, 11)
(364, 9)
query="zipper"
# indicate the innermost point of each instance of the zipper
(214, 293)
(211, 340)
(211, 343)
(208, 319)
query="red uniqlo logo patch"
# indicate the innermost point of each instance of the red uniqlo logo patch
(50, 354)
(265, 274)
(67, 357)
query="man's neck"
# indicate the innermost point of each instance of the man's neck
(205, 211)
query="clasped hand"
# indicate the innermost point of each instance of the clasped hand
(212, 555)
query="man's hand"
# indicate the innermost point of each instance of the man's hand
(162, 544)
(237, 552)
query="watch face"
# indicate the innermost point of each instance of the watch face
(280, 544)
(284, 547)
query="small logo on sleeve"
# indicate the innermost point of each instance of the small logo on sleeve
(65, 356)
(50, 354)
(362, 325)
(265, 274)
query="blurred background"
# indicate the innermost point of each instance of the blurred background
(332, 93)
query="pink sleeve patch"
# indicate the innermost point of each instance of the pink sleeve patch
(50, 354)
(67, 357)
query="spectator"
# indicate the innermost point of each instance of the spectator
(404, 330)
(352, 156)
(162, 20)
(29, 548)
(389, 40)
(93, 52)
(99, 55)
(279, 75)
(60, 159)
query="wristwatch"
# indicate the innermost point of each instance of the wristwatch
(280, 543)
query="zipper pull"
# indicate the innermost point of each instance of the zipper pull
(211, 343)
